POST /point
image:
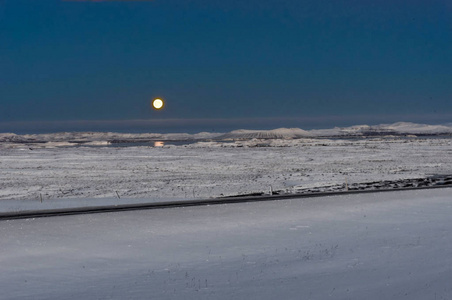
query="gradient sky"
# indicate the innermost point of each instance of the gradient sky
(234, 59)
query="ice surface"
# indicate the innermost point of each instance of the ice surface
(77, 138)
(393, 245)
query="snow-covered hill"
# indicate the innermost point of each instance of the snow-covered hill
(396, 129)
(413, 128)
(281, 133)
(400, 128)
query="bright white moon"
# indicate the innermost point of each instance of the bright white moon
(157, 103)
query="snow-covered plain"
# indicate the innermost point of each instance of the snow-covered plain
(99, 171)
(212, 169)
(395, 245)
(375, 246)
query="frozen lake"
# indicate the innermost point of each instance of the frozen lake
(389, 245)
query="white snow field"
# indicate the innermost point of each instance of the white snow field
(61, 175)
(392, 245)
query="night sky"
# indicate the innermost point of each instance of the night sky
(292, 62)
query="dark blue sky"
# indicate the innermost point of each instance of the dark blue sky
(235, 59)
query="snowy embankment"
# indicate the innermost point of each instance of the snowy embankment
(374, 246)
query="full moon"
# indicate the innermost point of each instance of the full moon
(157, 103)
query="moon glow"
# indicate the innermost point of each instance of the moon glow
(157, 103)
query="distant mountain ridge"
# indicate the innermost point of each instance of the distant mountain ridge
(280, 133)
(395, 129)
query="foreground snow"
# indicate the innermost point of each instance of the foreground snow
(375, 246)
